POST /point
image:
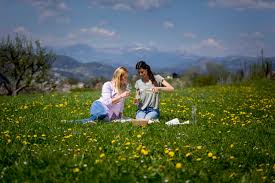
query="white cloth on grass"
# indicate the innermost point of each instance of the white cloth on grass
(176, 121)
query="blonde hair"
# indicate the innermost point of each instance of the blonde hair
(117, 76)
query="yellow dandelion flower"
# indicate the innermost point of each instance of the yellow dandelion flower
(68, 136)
(166, 151)
(214, 157)
(199, 147)
(210, 154)
(171, 154)
(231, 145)
(76, 170)
(102, 155)
(113, 141)
(121, 158)
(178, 165)
(144, 152)
(138, 136)
(187, 155)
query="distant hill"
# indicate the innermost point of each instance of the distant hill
(68, 67)
(160, 61)
(84, 62)
(66, 62)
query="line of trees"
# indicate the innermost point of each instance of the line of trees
(215, 73)
(23, 64)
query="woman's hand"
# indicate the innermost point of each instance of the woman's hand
(125, 94)
(136, 101)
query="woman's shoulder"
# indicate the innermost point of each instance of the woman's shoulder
(107, 84)
(158, 77)
(139, 81)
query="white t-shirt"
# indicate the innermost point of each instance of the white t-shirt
(147, 97)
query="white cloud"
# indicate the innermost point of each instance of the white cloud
(98, 31)
(54, 10)
(93, 36)
(121, 6)
(139, 47)
(168, 25)
(148, 4)
(63, 6)
(208, 43)
(21, 30)
(189, 35)
(243, 4)
(207, 47)
(253, 35)
(130, 5)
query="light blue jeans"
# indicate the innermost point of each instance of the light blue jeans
(97, 112)
(147, 113)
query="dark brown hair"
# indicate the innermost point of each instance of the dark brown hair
(142, 65)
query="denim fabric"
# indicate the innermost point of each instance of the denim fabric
(97, 111)
(147, 113)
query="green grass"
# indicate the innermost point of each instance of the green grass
(232, 141)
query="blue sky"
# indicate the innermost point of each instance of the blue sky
(199, 27)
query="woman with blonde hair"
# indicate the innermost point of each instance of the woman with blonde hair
(111, 103)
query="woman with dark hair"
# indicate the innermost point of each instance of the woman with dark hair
(148, 92)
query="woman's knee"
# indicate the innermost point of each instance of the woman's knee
(152, 115)
(97, 109)
(140, 115)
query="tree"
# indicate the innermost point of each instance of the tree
(217, 72)
(22, 65)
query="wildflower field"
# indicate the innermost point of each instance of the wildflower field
(233, 138)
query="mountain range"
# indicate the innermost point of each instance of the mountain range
(84, 62)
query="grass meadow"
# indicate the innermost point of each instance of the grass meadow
(233, 139)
